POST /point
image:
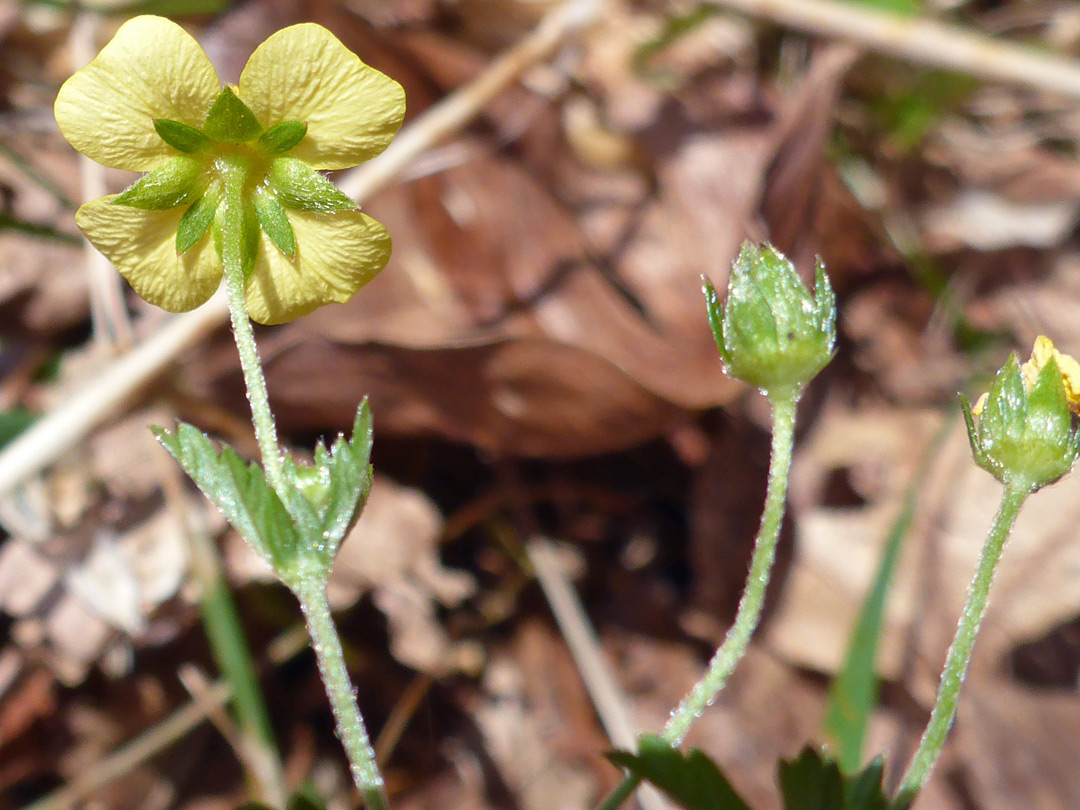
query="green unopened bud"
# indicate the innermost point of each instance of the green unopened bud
(313, 480)
(771, 332)
(1022, 432)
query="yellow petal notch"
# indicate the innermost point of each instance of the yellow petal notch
(142, 246)
(336, 254)
(151, 69)
(304, 73)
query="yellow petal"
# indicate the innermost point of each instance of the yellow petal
(980, 404)
(304, 73)
(336, 254)
(1041, 353)
(142, 246)
(151, 69)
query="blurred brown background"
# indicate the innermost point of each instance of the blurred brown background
(539, 363)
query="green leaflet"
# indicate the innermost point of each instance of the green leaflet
(300, 535)
(814, 782)
(692, 779)
(328, 495)
(240, 491)
(808, 782)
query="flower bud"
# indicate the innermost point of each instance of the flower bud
(1021, 431)
(771, 332)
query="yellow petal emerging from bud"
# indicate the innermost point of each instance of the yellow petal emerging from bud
(1041, 353)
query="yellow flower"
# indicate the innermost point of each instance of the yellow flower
(1041, 353)
(151, 102)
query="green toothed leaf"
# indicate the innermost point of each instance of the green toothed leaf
(692, 779)
(813, 782)
(240, 491)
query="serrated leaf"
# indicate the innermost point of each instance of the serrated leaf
(173, 183)
(241, 493)
(282, 137)
(300, 187)
(230, 120)
(274, 222)
(813, 782)
(181, 136)
(350, 480)
(692, 780)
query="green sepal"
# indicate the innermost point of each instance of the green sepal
(181, 136)
(230, 120)
(973, 434)
(282, 137)
(825, 298)
(325, 498)
(274, 222)
(692, 780)
(301, 188)
(240, 491)
(716, 318)
(173, 183)
(814, 782)
(196, 221)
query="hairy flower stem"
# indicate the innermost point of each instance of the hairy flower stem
(335, 676)
(959, 655)
(232, 257)
(311, 592)
(749, 613)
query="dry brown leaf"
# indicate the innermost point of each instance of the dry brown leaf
(1019, 746)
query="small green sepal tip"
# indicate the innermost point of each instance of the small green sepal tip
(180, 136)
(230, 120)
(196, 221)
(282, 137)
(771, 331)
(1022, 431)
(301, 188)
